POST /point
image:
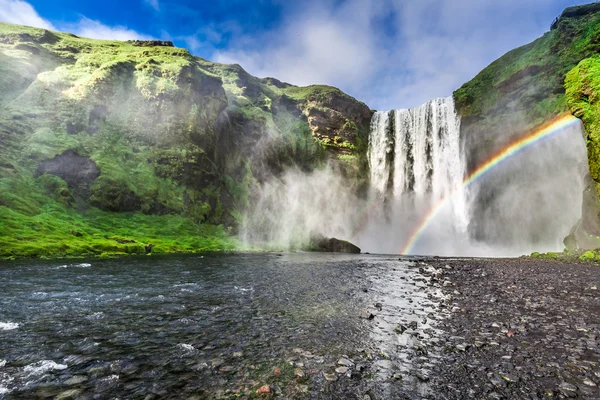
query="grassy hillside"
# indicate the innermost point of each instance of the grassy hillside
(107, 145)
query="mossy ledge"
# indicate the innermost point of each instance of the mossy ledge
(169, 148)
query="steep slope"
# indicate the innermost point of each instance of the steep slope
(107, 145)
(526, 87)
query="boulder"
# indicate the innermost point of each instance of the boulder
(332, 245)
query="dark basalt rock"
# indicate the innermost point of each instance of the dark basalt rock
(576, 11)
(151, 43)
(333, 245)
(76, 170)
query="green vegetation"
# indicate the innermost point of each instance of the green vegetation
(106, 146)
(525, 87)
(570, 256)
(57, 231)
(582, 90)
(556, 74)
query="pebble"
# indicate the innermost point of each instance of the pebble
(330, 377)
(341, 370)
(75, 380)
(345, 362)
(567, 389)
(69, 394)
(264, 389)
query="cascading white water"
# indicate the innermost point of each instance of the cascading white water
(527, 203)
(415, 161)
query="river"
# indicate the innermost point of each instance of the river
(217, 326)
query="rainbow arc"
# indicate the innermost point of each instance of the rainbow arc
(552, 127)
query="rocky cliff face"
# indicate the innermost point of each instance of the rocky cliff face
(142, 126)
(533, 84)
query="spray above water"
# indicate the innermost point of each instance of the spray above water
(422, 200)
(553, 127)
(415, 160)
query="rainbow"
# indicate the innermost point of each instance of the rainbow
(543, 131)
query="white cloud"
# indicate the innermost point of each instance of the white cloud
(154, 4)
(313, 48)
(390, 53)
(22, 13)
(96, 30)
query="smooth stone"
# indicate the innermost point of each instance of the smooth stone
(330, 377)
(68, 394)
(341, 370)
(75, 380)
(264, 389)
(345, 362)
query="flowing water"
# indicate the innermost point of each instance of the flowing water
(417, 157)
(217, 326)
(415, 160)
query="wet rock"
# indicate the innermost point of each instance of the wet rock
(588, 382)
(75, 380)
(509, 378)
(333, 245)
(367, 315)
(69, 394)
(568, 389)
(345, 362)
(265, 389)
(423, 376)
(330, 377)
(226, 369)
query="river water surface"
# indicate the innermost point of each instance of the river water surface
(217, 326)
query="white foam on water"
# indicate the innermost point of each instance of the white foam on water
(186, 347)
(8, 326)
(95, 316)
(4, 390)
(41, 367)
(82, 265)
(241, 289)
(2, 363)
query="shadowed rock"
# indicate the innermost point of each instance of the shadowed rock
(76, 170)
(332, 245)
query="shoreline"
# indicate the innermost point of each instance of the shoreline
(519, 328)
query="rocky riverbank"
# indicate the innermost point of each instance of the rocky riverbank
(519, 328)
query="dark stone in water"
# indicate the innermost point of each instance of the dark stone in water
(332, 245)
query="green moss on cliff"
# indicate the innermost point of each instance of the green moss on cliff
(525, 87)
(582, 86)
(176, 141)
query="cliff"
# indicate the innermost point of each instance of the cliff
(107, 145)
(533, 83)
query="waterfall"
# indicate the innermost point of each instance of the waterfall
(415, 160)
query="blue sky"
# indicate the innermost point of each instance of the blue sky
(388, 53)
